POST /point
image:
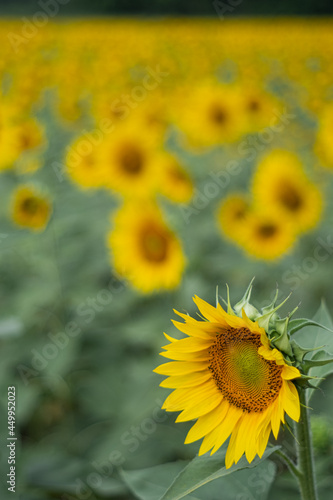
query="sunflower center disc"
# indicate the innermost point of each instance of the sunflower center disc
(290, 198)
(267, 231)
(30, 206)
(245, 378)
(217, 114)
(131, 160)
(154, 244)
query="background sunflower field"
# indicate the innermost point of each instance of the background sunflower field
(145, 160)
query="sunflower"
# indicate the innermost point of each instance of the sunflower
(258, 107)
(227, 375)
(210, 115)
(232, 216)
(323, 146)
(129, 161)
(267, 235)
(83, 164)
(30, 208)
(16, 139)
(281, 185)
(145, 250)
(174, 181)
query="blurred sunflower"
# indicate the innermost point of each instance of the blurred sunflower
(129, 160)
(281, 185)
(18, 138)
(84, 165)
(210, 115)
(145, 250)
(267, 235)
(153, 114)
(174, 181)
(30, 208)
(324, 146)
(226, 375)
(258, 107)
(232, 216)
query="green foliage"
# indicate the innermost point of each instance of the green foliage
(239, 480)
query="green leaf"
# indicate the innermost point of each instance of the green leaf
(297, 324)
(318, 359)
(202, 470)
(315, 336)
(151, 483)
(154, 483)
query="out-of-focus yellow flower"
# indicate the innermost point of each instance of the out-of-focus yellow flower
(84, 165)
(174, 181)
(30, 208)
(210, 115)
(259, 109)
(146, 252)
(281, 185)
(129, 158)
(267, 236)
(17, 138)
(232, 216)
(324, 143)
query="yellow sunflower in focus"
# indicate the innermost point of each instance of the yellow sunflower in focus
(145, 250)
(232, 216)
(210, 115)
(226, 375)
(129, 161)
(281, 185)
(174, 181)
(267, 235)
(84, 165)
(30, 208)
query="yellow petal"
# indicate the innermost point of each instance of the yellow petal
(230, 455)
(170, 339)
(187, 356)
(187, 380)
(189, 344)
(290, 400)
(218, 436)
(181, 367)
(206, 423)
(290, 372)
(275, 418)
(263, 439)
(201, 408)
(190, 397)
(208, 311)
(199, 329)
(247, 426)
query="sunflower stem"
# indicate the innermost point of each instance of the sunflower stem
(305, 462)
